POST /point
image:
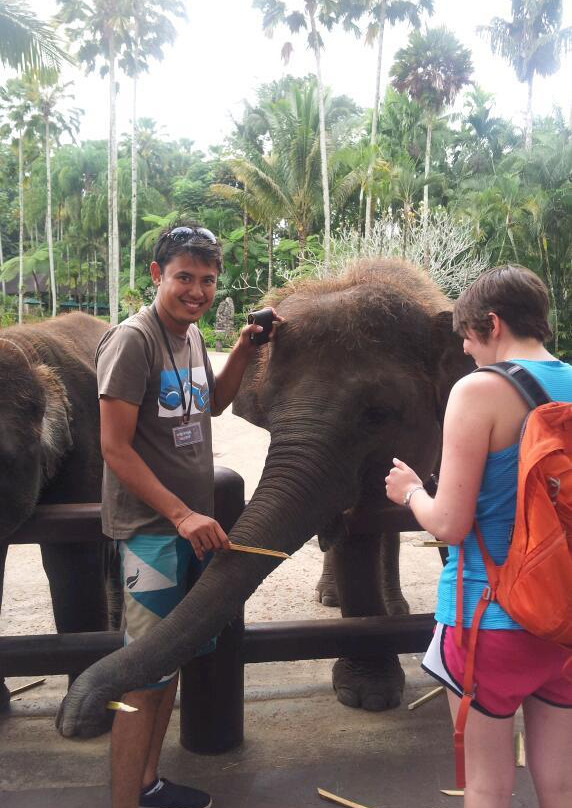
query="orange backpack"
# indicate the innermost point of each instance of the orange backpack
(534, 585)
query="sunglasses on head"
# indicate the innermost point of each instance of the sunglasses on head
(189, 233)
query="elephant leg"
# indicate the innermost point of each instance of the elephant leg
(392, 595)
(327, 588)
(331, 534)
(374, 684)
(4, 692)
(76, 574)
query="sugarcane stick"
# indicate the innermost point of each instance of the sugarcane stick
(519, 750)
(244, 548)
(326, 795)
(29, 686)
(427, 697)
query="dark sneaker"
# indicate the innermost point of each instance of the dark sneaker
(170, 795)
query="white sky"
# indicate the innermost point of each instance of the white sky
(221, 56)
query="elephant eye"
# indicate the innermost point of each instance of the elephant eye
(374, 416)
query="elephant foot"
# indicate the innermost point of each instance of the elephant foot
(4, 698)
(374, 685)
(395, 604)
(327, 590)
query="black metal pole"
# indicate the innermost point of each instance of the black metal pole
(212, 685)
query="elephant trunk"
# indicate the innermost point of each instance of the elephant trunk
(301, 487)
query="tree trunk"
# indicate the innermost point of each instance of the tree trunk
(21, 229)
(551, 289)
(528, 124)
(270, 256)
(375, 113)
(95, 284)
(406, 214)
(427, 168)
(245, 241)
(2, 268)
(112, 190)
(426, 256)
(323, 148)
(133, 191)
(302, 242)
(49, 219)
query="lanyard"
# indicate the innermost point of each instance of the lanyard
(187, 413)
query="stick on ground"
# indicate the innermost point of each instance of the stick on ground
(427, 697)
(326, 795)
(29, 686)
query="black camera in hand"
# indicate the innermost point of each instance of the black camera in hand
(265, 318)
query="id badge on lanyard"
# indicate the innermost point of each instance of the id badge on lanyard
(187, 434)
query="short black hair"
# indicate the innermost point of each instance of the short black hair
(200, 245)
(514, 293)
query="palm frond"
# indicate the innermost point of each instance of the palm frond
(27, 43)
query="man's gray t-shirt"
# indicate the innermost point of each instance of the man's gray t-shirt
(133, 365)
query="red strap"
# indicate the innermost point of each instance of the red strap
(458, 635)
(489, 593)
(490, 566)
(468, 687)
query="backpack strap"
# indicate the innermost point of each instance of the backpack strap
(488, 595)
(522, 379)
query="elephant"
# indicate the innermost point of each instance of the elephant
(359, 372)
(49, 453)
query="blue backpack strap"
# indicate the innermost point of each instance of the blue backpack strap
(529, 388)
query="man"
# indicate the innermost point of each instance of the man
(157, 394)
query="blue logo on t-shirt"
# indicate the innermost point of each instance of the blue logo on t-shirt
(170, 392)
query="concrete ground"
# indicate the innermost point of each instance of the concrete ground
(297, 736)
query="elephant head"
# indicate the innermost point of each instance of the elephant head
(49, 427)
(359, 373)
(34, 432)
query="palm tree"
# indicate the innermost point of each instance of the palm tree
(532, 42)
(310, 15)
(380, 12)
(283, 183)
(151, 30)
(431, 69)
(102, 29)
(17, 109)
(46, 95)
(27, 43)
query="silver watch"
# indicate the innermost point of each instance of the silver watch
(409, 494)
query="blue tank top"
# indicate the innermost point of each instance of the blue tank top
(496, 505)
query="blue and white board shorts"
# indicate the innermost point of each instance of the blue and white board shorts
(157, 572)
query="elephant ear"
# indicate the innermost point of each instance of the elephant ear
(448, 361)
(246, 403)
(55, 437)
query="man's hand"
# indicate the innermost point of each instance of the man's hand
(204, 533)
(245, 343)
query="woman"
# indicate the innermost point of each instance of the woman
(502, 316)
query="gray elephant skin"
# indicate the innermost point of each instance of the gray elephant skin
(359, 373)
(49, 453)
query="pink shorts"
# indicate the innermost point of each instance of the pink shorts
(509, 666)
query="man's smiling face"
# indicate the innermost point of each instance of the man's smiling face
(185, 291)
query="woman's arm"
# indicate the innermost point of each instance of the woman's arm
(469, 421)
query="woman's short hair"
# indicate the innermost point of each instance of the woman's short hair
(514, 293)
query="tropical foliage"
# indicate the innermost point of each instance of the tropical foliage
(454, 192)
